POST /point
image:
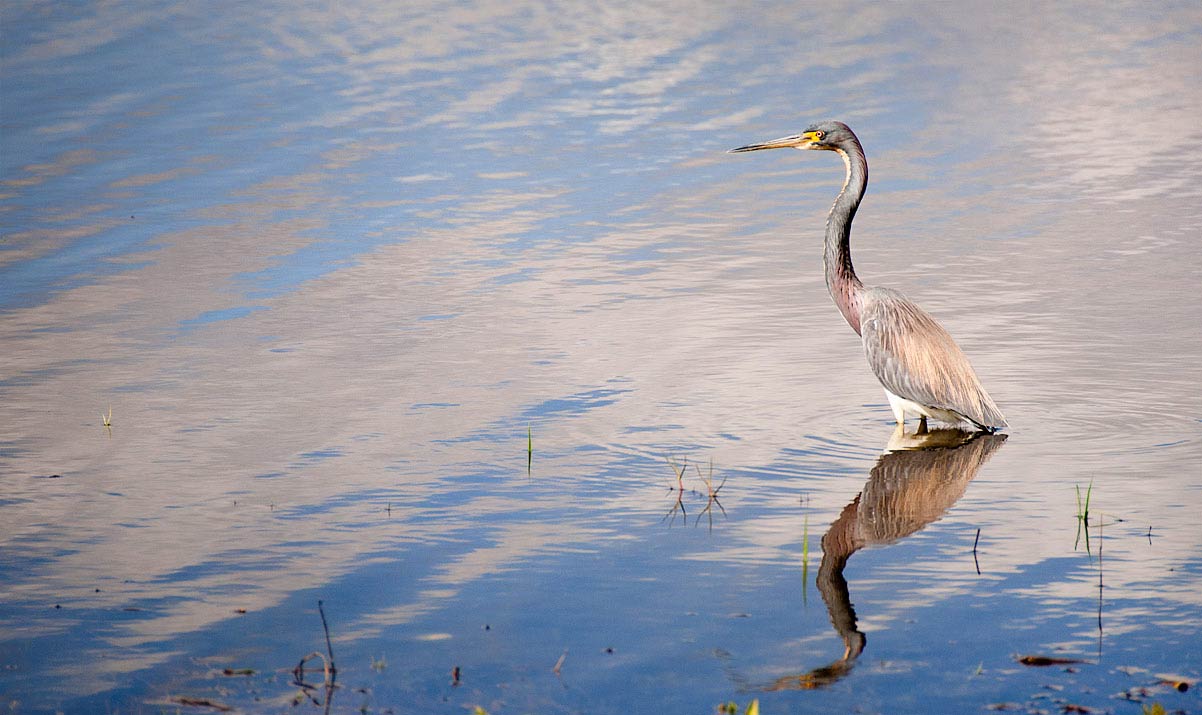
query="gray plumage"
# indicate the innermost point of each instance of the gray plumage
(923, 371)
(915, 358)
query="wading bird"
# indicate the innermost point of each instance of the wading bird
(923, 371)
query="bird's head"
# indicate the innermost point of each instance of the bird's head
(830, 136)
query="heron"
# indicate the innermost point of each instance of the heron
(923, 371)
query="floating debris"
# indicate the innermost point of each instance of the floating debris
(1042, 661)
(1178, 684)
(202, 703)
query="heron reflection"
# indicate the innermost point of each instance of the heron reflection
(916, 480)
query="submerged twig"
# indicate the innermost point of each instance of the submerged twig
(709, 481)
(805, 561)
(974, 551)
(325, 627)
(1083, 516)
(712, 493)
(679, 489)
(329, 671)
(1100, 587)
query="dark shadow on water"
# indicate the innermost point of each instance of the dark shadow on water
(916, 480)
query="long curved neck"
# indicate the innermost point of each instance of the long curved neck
(841, 278)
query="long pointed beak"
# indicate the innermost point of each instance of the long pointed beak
(800, 141)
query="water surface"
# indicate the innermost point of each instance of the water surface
(334, 269)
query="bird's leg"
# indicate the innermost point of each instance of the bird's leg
(922, 424)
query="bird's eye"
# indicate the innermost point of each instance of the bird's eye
(819, 135)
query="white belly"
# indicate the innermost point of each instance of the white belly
(903, 408)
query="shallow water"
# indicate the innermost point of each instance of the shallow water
(334, 269)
